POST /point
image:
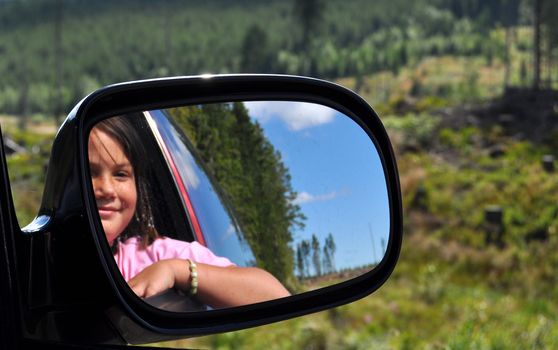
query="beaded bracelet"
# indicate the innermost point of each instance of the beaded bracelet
(193, 277)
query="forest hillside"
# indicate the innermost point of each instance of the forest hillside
(467, 91)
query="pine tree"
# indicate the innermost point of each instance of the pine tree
(316, 258)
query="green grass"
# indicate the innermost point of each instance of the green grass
(427, 304)
(27, 170)
(450, 290)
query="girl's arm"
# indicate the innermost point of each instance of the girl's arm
(217, 286)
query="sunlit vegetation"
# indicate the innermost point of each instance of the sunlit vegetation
(54, 52)
(454, 287)
(479, 268)
(27, 169)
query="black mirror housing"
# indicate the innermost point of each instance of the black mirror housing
(65, 249)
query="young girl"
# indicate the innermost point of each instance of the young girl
(149, 262)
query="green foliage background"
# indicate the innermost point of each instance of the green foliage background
(53, 52)
(410, 60)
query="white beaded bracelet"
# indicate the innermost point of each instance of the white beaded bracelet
(193, 277)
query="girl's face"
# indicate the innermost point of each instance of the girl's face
(113, 181)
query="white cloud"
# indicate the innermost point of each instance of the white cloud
(187, 163)
(305, 197)
(231, 230)
(297, 115)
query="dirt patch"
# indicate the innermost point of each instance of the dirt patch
(37, 127)
(522, 113)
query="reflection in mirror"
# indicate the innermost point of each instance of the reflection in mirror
(227, 204)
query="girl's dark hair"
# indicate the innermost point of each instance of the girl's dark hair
(122, 130)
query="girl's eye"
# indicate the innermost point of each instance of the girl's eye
(122, 174)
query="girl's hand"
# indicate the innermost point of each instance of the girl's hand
(157, 278)
(217, 286)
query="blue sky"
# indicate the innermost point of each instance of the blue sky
(337, 174)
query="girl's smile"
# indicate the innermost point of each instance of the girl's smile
(105, 212)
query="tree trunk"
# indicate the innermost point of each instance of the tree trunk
(507, 67)
(58, 56)
(537, 44)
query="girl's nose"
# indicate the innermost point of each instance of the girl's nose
(104, 187)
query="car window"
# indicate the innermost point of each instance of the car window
(219, 231)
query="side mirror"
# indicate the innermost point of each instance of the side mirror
(288, 177)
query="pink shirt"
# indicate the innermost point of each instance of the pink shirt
(132, 259)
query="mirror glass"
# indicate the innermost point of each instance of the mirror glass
(226, 204)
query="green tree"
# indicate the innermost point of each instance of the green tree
(329, 254)
(253, 177)
(255, 54)
(316, 255)
(305, 253)
(59, 61)
(299, 261)
(309, 16)
(545, 40)
(550, 37)
(509, 18)
(537, 23)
